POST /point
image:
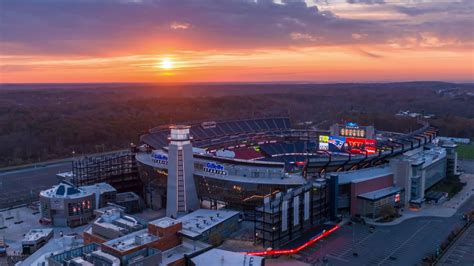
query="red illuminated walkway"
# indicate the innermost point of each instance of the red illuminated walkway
(297, 249)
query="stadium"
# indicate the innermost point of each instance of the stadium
(285, 180)
(238, 163)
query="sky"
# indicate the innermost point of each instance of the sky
(236, 40)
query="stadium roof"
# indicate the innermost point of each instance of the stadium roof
(381, 193)
(363, 174)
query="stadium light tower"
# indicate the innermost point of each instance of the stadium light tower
(181, 190)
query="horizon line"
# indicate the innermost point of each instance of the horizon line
(282, 82)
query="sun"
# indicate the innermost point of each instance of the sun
(166, 63)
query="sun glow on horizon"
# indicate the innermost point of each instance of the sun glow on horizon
(166, 63)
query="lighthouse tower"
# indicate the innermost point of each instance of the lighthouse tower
(181, 191)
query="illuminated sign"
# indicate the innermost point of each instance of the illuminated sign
(337, 144)
(361, 145)
(214, 168)
(352, 132)
(323, 143)
(397, 197)
(352, 124)
(323, 138)
(159, 158)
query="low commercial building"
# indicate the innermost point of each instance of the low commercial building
(358, 182)
(372, 204)
(113, 223)
(158, 244)
(130, 201)
(35, 239)
(84, 255)
(417, 171)
(66, 205)
(52, 247)
(210, 226)
(130, 246)
(104, 193)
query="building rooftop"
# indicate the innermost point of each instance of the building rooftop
(425, 157)
(54, 246)
(126, 196)
(117, 221)
(186, 248)
(65, 175)
(115, 261)
(164, 222)
(130, 241)
(99, 188)
(218, 257)
(65, 189)
(199, 221)
(80, 261)
(109, 207)
(381, 193)
(363, 174)
(36, 234)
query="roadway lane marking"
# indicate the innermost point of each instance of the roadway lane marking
(405, 242)
(354, 245)
(337, 258)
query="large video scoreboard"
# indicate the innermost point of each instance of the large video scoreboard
(349, 138)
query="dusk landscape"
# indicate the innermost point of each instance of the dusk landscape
(236, 132)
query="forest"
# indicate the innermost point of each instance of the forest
(49, 121)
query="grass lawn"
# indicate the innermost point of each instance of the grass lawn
(465, 151)
(450, 185)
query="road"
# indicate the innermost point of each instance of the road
(404, 244)
(22, 185)
(467, 165)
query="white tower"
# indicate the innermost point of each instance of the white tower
(181, 191)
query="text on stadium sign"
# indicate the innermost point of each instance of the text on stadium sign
(159, 158)
(351, 124)
(215, 168)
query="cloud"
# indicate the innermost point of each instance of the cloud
(367, 2)
(179, 26)
(103, 27)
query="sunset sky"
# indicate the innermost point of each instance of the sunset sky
(236, 40)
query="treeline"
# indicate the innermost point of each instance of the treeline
(43, 124)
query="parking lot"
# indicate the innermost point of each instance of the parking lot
(404, 244)
(462, 252)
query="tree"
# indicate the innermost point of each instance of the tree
(388, 211)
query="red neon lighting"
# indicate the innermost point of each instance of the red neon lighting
(361, 145)
(294, 250)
